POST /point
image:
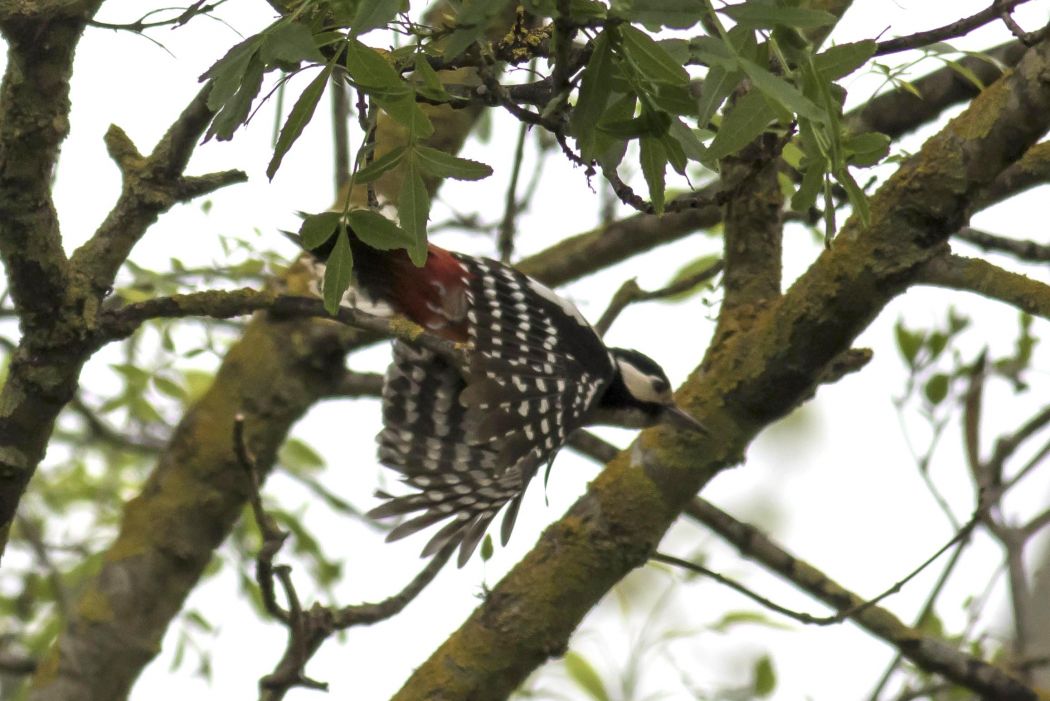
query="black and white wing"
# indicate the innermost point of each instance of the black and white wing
(424, 438)
(471, 439)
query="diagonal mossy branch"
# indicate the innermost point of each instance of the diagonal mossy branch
(745, 383)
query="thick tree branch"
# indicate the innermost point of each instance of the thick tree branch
(754, 227)
(34, 120)
(989, 280)
(750, 380)
(221, 304)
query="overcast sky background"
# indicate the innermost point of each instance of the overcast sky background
(835, 483)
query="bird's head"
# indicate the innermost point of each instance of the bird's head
(640, 395)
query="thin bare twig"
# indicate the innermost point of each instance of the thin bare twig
(508, 226)
(1022, 249)
(806, 618)
(308, 628)
(630, 292)
(949, 31)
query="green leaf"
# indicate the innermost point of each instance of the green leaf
(299, 457)
(936, 388)
(595, 90)
(688, 141)
(486, 548)
(654, 164)
(717, 86)
(235, 110)
(748, 118)
(677, 14)
(227, 74)
(652, 60)
(839, 61)
(765, 677)
(372, 14)
(445, 165)
(813, 173)
(609, 150)
(318, 228)
(377, 167)
(300, 115)
(966, 73)
(403, 109)
(734, 618)
(687, 271)
(369, 69)
(866, 149)
(377, 231)
(753, 14)
(413, 208)
(908, 343)
(170, 388)
(585, 676)
(288, 44)
(676, 99)
(783, 92)
(858, 199)
(337, 272)
(430, 85)
(648, 123)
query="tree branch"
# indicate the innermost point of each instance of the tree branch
(928, 653)
(121, 322)
(151, 186)
(1024, 250)
(754, 228)
(749, 380)
(988, 280)
(954, 30)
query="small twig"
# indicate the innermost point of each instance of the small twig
(927, 610)
(806, 618)
(139, 25)
(1026, 38)
(630, 292)
(949, 31)
(508, 226)
(1025, 250)
(273, 537)
(308, 628)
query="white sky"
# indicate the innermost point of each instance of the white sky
(835, 483)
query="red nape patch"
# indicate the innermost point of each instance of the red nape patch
(433, 296)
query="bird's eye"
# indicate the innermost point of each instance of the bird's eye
(660, 386)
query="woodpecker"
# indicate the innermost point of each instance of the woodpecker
(467, 440)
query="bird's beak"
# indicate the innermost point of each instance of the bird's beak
(678, 417)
